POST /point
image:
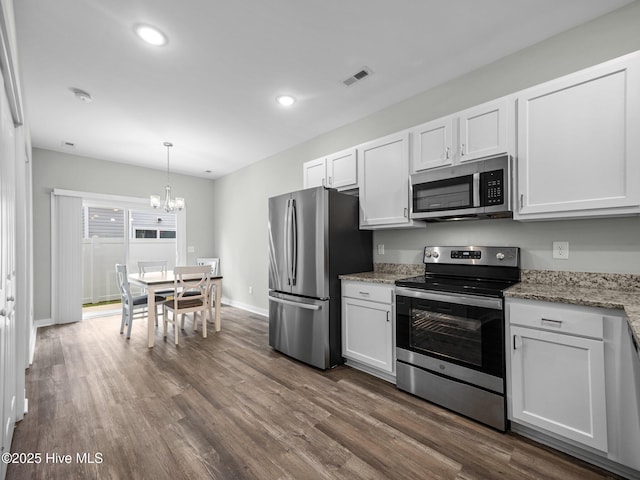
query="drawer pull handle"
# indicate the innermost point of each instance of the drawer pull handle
(364, 293)
(551, 323)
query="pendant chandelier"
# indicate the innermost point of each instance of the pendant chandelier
(169, 204)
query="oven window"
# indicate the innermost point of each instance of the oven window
(447, 335)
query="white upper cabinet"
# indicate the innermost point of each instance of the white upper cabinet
(433, 143)
(485, 130)
(342, 169)
(482, 131)
(338, 170)
(315, 173)
(383, 166)
(578, 143)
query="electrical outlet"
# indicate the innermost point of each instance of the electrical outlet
(250, 290)
(381, 249)
(561, 250)
(191, 249)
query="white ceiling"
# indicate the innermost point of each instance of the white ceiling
(211, 91)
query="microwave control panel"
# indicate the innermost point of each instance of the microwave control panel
(492, 188)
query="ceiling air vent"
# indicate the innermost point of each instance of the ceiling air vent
(364, 73)
(66, 144)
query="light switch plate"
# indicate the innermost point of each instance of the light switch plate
(381, 249)
(191, 249)
(561, 250)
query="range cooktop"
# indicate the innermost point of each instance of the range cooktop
(470, 286)
(472, 270)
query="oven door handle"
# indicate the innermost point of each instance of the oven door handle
(460, 299)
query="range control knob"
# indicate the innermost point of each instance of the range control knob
(500, 256)
(436, 254)
(427, 253)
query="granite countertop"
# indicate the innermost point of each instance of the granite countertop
(604, 290)
(616, 291)
(385, 273)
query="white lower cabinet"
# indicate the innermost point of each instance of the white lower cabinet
(557, 371)
(368, 341)
(571, 381)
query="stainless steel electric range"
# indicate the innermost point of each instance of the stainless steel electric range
(450, 330)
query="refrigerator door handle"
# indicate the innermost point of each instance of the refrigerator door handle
(287, 241)
(295, 304)
(294, 242)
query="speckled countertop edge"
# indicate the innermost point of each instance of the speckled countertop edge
(604, 290)
(583, 293)
(386, 273)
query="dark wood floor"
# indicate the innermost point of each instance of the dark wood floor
(228, 407)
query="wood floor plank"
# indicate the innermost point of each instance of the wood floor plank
(230, 407)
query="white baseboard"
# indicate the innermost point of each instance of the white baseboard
(43, 322)
(246, 306)
(101, 313)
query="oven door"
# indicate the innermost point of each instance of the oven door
(439, 331)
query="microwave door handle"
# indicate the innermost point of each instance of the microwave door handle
(476, 189)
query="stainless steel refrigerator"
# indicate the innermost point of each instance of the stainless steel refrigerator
(313, 238)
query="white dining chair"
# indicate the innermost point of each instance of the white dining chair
(214, 262)
(132, 306)
(152, 266)
(148, 266)
(190, 295)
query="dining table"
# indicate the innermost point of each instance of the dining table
(153, 282)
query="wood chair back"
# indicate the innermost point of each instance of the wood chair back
(152, 266)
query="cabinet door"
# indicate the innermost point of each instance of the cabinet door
(367, 333)
(558, 384)
(433, 144)
(578, 143)
(315, 173)
(384, 181)
(342, 169)
(484, 130)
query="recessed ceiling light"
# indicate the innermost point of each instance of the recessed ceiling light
(151, 35)
(285, 100)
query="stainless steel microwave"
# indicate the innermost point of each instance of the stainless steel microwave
(474, 190)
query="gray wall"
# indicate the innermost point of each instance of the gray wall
(70, 172)
(606, 245)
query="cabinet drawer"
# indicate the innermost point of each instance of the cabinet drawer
(368, 291)
(569, 319)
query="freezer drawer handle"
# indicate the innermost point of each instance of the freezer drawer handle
(295, 304)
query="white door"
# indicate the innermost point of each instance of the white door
(557, 383)
(8, 338)
(578, 142)
(484, 130)
(433, 144)
(315, 173)
(367, 335)
(384, 181)
(342, 169)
